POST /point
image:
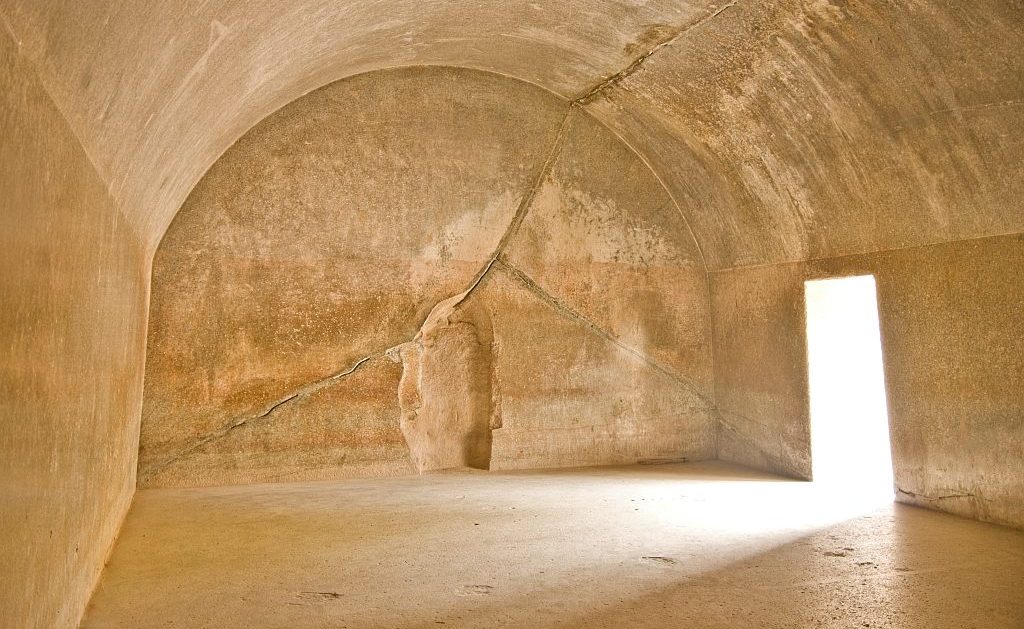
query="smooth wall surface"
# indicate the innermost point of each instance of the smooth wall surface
(952, 328)
(72, 333)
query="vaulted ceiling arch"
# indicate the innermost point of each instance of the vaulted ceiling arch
(785, 131)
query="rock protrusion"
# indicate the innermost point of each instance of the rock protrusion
(446, 392)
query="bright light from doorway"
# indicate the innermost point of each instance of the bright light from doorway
(849, 420)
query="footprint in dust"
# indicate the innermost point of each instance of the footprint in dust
(665, 561)
(319, 596)
(475, 590)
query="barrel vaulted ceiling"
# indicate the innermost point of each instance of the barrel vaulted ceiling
(784, 130)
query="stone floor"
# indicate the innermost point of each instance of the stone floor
(701, 545)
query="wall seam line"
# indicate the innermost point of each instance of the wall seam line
(841, 256)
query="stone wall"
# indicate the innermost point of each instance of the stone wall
(292, 295)
(72, 333)
(785, 131)
(952, 328)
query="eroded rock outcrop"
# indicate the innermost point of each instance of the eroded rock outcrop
(446, 393)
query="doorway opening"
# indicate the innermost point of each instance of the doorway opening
(850, 449)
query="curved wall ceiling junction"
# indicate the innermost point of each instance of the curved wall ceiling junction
(784, 130)
(329, 243)
(775, 125)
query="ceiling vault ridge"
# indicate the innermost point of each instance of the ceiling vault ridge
(637, 63)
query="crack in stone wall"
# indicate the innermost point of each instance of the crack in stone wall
(781, 458)
(440, 316)
(927, 498)
(638, 62)
(439, 432)
(245, 420)
(523, 208)
(455, 337)
(560, 308)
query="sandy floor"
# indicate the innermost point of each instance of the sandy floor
(699, 545)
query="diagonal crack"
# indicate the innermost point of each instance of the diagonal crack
(635, 65)
(749, 420)
(308, 389)
(522, 210)
(778, 454)
(927, 498)
(496, 259)
(313, 387)
(298, 394)
(555, 304)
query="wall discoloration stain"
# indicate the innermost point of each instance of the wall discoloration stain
(782, 132)
(331, 231)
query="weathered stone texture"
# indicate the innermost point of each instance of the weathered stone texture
(447, 391)
(794, 130)
(732, 134)
(327, 235)
(72, 337)
(333, 230)
(952, 330)
(572, 396)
